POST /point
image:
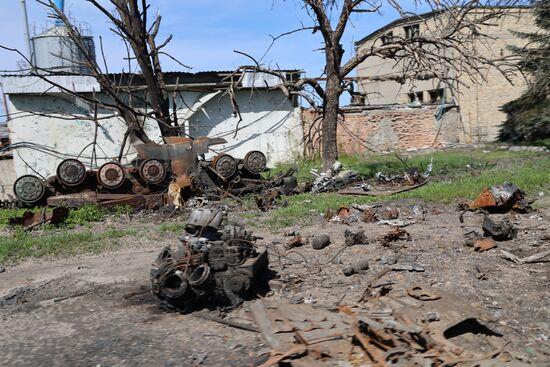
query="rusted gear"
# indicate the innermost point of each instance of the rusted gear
(255, 161)
(225, 165)
(111, 175)
(29, 189)
(152, 171)
(71, 172)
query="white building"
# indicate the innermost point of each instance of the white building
(48, 125)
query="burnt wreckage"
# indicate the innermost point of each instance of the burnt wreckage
(178, 167)
(213, 264)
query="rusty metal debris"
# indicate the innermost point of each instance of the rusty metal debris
(387, 332)
(214, 263)
(395, 234)
(177, 169)
(484, 244)
(499, 231)
(296, 241)
(333, 179)
(501, 198)
(29, 220)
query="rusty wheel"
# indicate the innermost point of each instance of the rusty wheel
(71, 172)
(225, 165)
(152, 171)
(29, 189)
(111, 175)
(255, 161)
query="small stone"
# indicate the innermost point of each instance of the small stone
(320, 242)
(2, 269)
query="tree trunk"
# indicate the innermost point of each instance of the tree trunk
(329, 152)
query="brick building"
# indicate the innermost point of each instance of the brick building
(479, 118)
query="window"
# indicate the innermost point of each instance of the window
(387, 38)
(412, 31)
(436, 95)
(416, 97)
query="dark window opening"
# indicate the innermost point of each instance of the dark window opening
(412, 31)
(416, 97)
(387, 38)
(436, 95)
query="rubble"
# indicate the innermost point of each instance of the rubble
(387, 332)
(354, 237)
(320, 242)
(214, 263)
(503, 197)
(484, 244)
(499, 231)
(395, 234)
(296, 241)
(356, 267)
(333, 179)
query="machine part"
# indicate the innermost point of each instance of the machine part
(29, 189)
(71, 172)
(255, 161)
(218, 266)
(224, 165)
(111, 175)
(500, 231)
(203, 218)
(152, 171)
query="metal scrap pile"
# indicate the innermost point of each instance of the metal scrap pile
(416, 328)
(217, 264)
(333, 179)
(503, 197)
(177, 169)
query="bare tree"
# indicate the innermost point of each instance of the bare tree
(133, 103)
(447, 50)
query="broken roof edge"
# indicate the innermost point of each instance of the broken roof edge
(203, 80)
(423, 17)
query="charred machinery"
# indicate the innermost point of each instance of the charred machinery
(214, 264)
(156, 167)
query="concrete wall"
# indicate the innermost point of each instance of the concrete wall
(270, 124)
(479, 103)
(7, 178)
(387, 130)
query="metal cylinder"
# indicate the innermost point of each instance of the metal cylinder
(255, 161)
(29, 189)
(71, 172)
(152, 171)
(111, 175)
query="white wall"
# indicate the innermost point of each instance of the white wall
(7, 178)
(270, 124)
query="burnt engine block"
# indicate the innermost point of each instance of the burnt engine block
(214, 265)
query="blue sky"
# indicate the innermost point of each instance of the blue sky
(206, 32)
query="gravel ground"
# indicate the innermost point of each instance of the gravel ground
(96, 309)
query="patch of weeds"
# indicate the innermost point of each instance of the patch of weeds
(171, 227)
(532, 177)
(24, 244)
(121, 210)
(85, 214)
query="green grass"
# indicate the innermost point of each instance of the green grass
(84, 215)
(171, 227)
(456, 175)
(23, 244)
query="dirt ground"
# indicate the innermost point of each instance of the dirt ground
(96, 310)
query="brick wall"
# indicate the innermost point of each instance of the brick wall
(385, 130)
